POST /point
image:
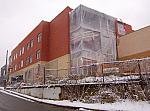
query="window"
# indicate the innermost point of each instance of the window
(11, 58)
(38, 54)
(22, 50)
(16, 55)
(31, 43)
(21, 63)
(30, 59)
(16, 67)
(28, 46)
(39, 37)
(27, 61)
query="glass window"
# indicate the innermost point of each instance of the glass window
(38, 54)
(21, 63)
(11, 58)
(28, 46)
(27, 60)
(31, 43)
(39, 37)
(16, 55)
(16, 67)
(30, 59)
(22, 50)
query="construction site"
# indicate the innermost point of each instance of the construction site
(95, 68)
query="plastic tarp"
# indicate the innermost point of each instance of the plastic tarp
(92, 37)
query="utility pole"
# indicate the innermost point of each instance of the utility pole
(44, 75)
(6, 71)
(7, 65)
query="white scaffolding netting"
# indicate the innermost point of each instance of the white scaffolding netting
(92, 36)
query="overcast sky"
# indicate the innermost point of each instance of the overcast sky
(19, 17)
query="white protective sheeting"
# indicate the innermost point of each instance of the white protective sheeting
(92, 36)
(121, 29)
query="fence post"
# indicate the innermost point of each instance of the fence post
(102, 72)
(139, 70)
(44, 77)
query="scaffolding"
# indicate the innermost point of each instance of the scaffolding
(92, 36)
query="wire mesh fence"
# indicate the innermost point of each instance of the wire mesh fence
(118, 71)
(107, 82)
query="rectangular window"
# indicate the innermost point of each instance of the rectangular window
(30, 59)
(16, 55)
(31, 43)
(22, 50)
(28, 46)
(21, 64)
(27, 60)
(15, 67)
(38, 54)
(11, 58)
(39, 37)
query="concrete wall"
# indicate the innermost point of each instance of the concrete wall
(135, 44)
(37, 92)
(46, 93)
(52, 93)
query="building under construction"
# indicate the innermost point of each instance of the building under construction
(71, 44)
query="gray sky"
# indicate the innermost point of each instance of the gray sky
(19, 17)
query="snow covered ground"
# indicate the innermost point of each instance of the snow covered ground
(105, 79)
(1, 88)
(108, 79)
(124, 105)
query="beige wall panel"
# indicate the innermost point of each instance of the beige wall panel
(53, 64)
(63, 66)
(22, 71)
(63, 62)
(134, 43)
(59, 63)
(136, 56)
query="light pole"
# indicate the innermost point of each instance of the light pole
(6, 71)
